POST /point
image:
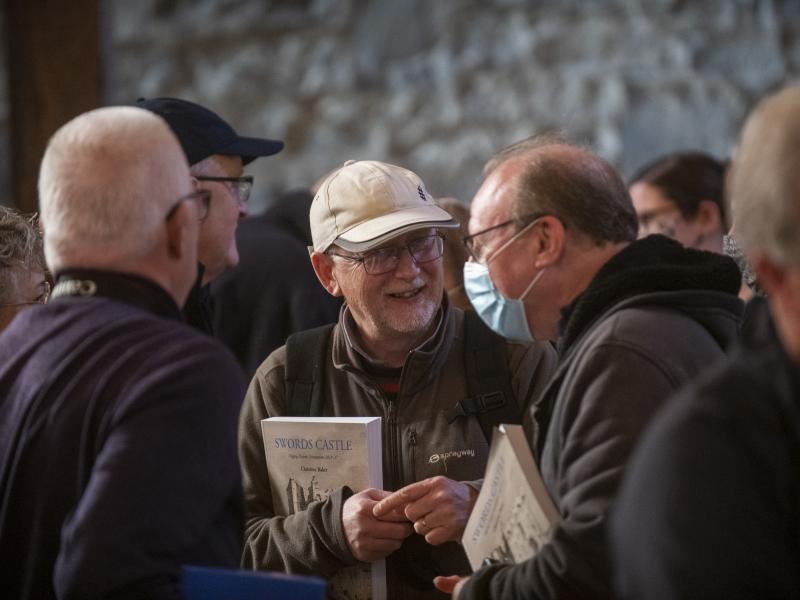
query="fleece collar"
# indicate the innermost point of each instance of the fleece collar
(653, 264)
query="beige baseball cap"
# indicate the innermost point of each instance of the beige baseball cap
(366, 202)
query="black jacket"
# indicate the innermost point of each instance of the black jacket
(118, 455)
(198, 311)
(711, 507)
(652, 318)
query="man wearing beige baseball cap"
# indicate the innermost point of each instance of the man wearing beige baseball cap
(437, 377)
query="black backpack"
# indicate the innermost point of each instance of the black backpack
(488, 378)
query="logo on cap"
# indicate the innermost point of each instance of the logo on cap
(421, 193)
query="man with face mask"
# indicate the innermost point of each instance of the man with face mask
(554, 257)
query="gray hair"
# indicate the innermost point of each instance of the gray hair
(106, 181)
(568, 182)
(764, 193)
(20, 250)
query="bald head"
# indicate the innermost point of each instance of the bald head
(555, 178)
(107, 180)
(765, 180)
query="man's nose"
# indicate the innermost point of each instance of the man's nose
(406, 264)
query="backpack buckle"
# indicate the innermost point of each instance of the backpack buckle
(491, 401)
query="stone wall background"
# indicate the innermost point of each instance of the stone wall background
(439, 85)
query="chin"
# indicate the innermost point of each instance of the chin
(233, 258)
(417, 322)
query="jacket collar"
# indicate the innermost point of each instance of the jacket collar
(655, 264)
(124, 287)
(423, 363)
(198, 311)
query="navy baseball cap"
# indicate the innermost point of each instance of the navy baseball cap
(203, 133)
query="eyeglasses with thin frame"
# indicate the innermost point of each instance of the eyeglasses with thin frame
(383, 260)
(42, 298)
(476, 253)
(663, 220)
(240, 186)
(201, 197)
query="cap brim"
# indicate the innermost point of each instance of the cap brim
(251, 148)
(376, 231)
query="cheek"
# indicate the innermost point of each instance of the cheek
(434, 272)
(352, 286)
(686, 232)
(219, 228)
(503, 283)
(509, 279)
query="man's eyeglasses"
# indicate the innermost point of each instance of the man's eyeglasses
(476, 252)
(240, 186)
(663, 220)
(44, 296)
(383, 260)
(200, 197)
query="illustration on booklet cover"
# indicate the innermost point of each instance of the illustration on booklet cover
(513, 516)
(308, 459)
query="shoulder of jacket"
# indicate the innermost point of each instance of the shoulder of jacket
(635, 325)
(273, 366)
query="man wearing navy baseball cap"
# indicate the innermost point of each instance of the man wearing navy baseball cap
(216, 155)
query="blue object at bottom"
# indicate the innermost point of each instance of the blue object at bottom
(204, 583)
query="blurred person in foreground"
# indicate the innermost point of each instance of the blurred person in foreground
(554, 254)
(217, 156)
(117, 421)
(23, 273)
(681, 196)
(711, 506)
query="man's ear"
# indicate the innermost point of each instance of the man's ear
(708, 218)
(548, 239)
(182, 230)
(770, 275)
(323, 267)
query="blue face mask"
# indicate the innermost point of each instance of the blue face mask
(505, 316)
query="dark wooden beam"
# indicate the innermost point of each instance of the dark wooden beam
(55, 73)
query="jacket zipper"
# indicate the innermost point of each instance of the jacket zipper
(412, 442)
(391, 427)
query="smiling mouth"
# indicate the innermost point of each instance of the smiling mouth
(406, 295)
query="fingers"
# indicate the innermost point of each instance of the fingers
(435, 535)
(387, 530)
(401, 497)
(446, 584)
(397, 515)
(442, 514)
(421, 526)
(438, 507)
(369, 538)
(370, 549)
(375, 494)
(442, 493)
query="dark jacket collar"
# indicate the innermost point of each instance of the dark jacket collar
(650, 265)
(125, 287)
(199, 308)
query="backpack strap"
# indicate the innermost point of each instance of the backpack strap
(306, 353)
(490, 396)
